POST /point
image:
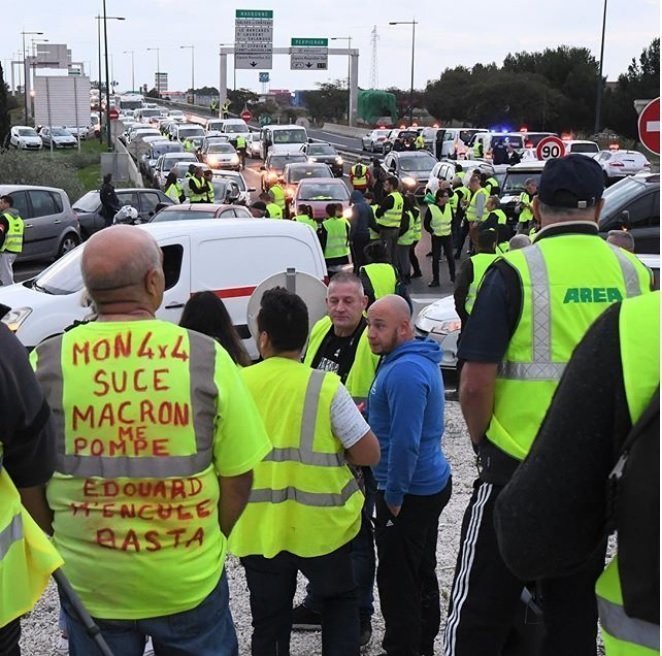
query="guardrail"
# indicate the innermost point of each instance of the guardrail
(344, 130)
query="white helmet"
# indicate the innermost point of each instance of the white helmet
(127, 215)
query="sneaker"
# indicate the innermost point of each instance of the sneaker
(417, 274)
(304, 619)
(62, 646)
(366, 633)
(149, 647)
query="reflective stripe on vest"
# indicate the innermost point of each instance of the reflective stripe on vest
(413, 233)
(14, 238)
(526, 214)
(391, 218)
(359, 175)
(278, 195)
(314, 499)
(480, 262)
(472, 209)
(556, 312)
(382, 278)
(373, 235)
(337, 243)
(274, 211)
(442, 219)
(13, 532)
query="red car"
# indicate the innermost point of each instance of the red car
(319, 192)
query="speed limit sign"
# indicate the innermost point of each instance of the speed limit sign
(550, 148)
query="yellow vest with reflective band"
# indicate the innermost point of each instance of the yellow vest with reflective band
(382, 278)
(500, 214)
(391, 218)
(374, 236)
(241, 142)
(491, 184)
(135, 491)
(210, 194)
(274, 211)
(472, 213)
(279, 195)
(442, 218)
(337, 241)
(14, 238)
(526, 214)
(195, 197)
(480, 262)
(362, 371)
(568, 281)
(174, 192)
(639, 330)
(27, 558)
(305, 499)
(188, 145)
(477, 149)
(304, 218)
(359, 175)
(465, 192)
(413, 233)
(453, 200)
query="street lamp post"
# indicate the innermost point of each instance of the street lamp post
(33, 41)
(104, 18)
(26, 74)
(192, 49)
(105, 45)
(598, 97)
(413, 24)
(158, 70)
(133, 70)
(349, 72)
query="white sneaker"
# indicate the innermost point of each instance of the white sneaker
(62, 646)
(149, 648)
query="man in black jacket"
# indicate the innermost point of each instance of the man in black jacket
(110, 203)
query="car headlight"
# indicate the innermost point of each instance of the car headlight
(447, 327)
(235, 159)
(409, 181)
(312, 159)
(15, 318)
(339, 160)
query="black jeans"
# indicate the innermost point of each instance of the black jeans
(9, 637)
(406, 572)
(358, 257)
(272, 583)
(413, 259)
(389, 238)
(445, 243)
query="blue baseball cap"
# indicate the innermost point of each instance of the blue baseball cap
(574, 181)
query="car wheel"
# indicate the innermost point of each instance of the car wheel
(69, 242)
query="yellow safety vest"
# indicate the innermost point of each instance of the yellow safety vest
(362, 371)
(419, 142)
(383, 278)
(373, 236)
(14, 238)
(337, 240)
(392, 217)
(305, 499)
(174, 192)
(359, 175)
(639, 330)
(526, 214)
(278, 195)
(491, 184)
(477, 149)
(210, 195)
(567, 283)
(304, 218)
(195, 197)
(275, 212)
(480, 263)
(442, 219)
(413, 233)
(472, 213)
(241, 142)
(27, 558)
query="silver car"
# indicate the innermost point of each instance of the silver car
(374, 140)
(51, 227)
(57, 138)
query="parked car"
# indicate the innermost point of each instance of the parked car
(324, 153)
(88, 207)
(23, 137)
(220, 156)
(400, 139)
(274, 166)
(618, 164)
(57, 138)
(319, 192)
(51, 226)
(588, 148)
(188, 211)
(374, 140)
(166, 162)
(412, 168)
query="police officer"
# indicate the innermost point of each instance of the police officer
(156, 441)
(11, 239)
(305, 506)
(533, 307)
(389, 216)
(611, 462)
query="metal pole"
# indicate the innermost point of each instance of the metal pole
(105, 45)
(100, 96)
(598, 96)
(25, 84)
(411, 88)
(193, 73)
(133, 73)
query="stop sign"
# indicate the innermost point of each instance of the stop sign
(246, 115)
(649, 126)
(550, 148)
(113, 113)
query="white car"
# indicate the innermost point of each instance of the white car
(582, 147)
(618, 164)
(238, 178)
(445, 171)
(57, 138)
(24, 137)
(253, 145)
(374, 140)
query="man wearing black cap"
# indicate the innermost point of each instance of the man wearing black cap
(533, 308)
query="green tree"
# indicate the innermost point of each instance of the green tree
(4, 110)
(329, 102)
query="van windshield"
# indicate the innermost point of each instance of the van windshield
(289, 136)
(62, 277)
(515, 181)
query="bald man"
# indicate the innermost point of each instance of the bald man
(156, 439)
(405, 411)
(621, 238)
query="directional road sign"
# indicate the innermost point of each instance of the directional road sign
(309, 54)
(253, 38)
(550, 148)
(649, 126)
(264, 77)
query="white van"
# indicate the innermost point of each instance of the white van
(282, 139)
(490, 139)
(234, 127)
(214, 125)
(227, 256)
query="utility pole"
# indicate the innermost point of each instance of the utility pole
(374, 80)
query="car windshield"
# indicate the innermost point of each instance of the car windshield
(380, 133)
(289, 136)
(63, 276)
(424, 163)
(87, 203)
(180, 215)
(234, 128)
(161, 148)
(60, 132)
(278, 162)
(514, 182)
(584, 148)
(224, 148)
(321, 191)
(321, 150)
(619, 193)
(148, 113)
(28, 132)
(513, 140)
(214, 125)
(191, 132)
(300, 172)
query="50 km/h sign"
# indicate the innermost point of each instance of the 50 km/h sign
(309, 54)
(550, 148)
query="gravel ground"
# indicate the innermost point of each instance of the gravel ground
(40, 629)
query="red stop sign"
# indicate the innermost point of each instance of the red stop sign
(649, 126)
(113, 113)
(246, 115)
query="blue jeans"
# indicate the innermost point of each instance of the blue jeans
(206, 630)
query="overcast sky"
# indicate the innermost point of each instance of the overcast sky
(484, 31)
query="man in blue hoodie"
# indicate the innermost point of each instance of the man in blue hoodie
(359, 235)
(406, 411)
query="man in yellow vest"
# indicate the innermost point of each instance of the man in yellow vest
(156, 439)
(524, 206)
(272, 209)
(359, 177)
(533, 307)
(438, 221)
(410, 235)
(494, 218)
(379, 277)
(475, 208)
(27, 461)
(197, 186)
(389, 216)
(11, 239)
(609, 466)
(305, 506)
(334, 237)
(419, 142)
(277, 194)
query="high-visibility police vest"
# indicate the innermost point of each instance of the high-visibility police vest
(491, 184)
(472, 213)
(567, 283)
(639, 331)
(413, 233)
(135, 490)
(304, 499)
(359, 175)
(480, 263)
(391, 218)
(241, 142)
(197, 196)
(382, 277)
(526, 214)
(442, 218)
(274, 211)
(374, 236)
(361, 373)
(278, 194)
(27, 558)
(174, 192)
(14, 238)
(304, 218)
(337, 241)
